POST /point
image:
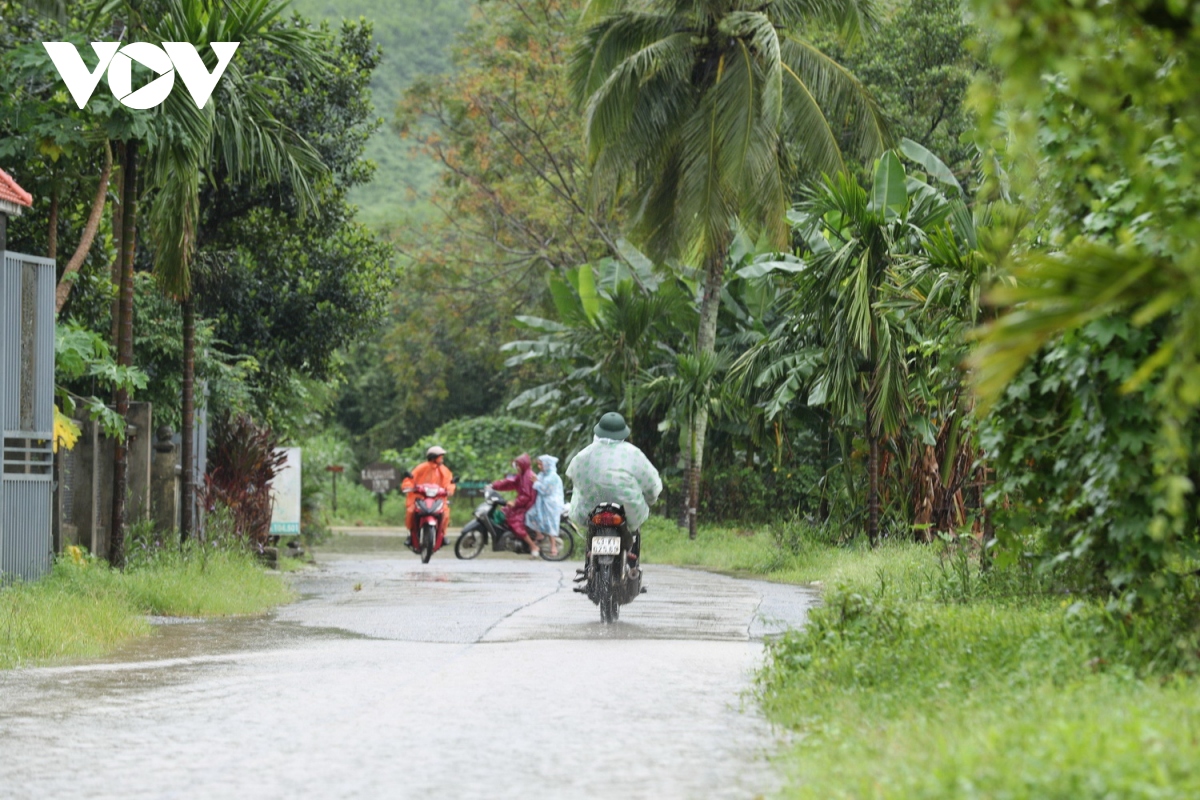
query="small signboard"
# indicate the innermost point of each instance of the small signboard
(285, 495)
(380, 477)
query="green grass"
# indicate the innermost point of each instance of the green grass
(225, 583)
(784, 553)
(84, 609)
(70, 614)
(923, 677)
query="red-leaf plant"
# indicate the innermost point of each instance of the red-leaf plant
(242, 462)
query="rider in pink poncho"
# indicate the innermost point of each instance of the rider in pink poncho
(522, 484)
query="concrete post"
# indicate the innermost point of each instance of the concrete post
(164, 479)
(140, 457)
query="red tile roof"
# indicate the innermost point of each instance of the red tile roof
(12, 192)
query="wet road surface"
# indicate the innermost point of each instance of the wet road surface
(487, 679)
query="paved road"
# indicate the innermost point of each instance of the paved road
(486, 679)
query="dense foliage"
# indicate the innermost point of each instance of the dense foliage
(290, 288)
(1101, 142)
(480, 448)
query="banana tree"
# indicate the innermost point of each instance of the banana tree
(615, 326)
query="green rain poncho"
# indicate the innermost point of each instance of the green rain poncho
(608, 471)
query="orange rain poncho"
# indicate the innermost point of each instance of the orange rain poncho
(428, 472)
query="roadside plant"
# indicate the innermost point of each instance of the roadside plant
(242, 461)
(84, 368)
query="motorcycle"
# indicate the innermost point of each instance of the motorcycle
(612, 571)
(430, 508)
(489, 525)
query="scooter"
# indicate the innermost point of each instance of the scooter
(611, 575)
(430, 508)
(489, 525)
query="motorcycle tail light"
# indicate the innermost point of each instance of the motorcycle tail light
(607, 519)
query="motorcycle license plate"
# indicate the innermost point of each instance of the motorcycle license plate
(606, 545)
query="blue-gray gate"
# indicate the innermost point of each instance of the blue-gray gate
(26, 414)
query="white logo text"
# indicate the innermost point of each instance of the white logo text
(165, 61)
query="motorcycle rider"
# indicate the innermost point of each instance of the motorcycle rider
(433, 470)
(514, 512)
(611, 470)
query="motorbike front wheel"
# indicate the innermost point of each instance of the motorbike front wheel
(470, 544)
(566, 545)
(428, 537)
(610, 609)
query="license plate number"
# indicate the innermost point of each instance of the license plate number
(606, 545)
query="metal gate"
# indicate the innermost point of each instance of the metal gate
(26, 414)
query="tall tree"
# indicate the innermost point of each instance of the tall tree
(235, 129)
(884, 288)
(290, 290)
(696, 113)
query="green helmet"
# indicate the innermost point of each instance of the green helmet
(612, 426)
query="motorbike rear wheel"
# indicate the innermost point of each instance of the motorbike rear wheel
(428, 537)
(470, 544)
(606, 593)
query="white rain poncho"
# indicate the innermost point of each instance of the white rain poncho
(546, 513)
(608, 471)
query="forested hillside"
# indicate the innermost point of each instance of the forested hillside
(416, 37)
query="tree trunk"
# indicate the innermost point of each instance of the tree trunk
(706, 342)
(124, 354)
(696, 468)
(187, 494)
(873, 487)
(52, 237)
(118, 226)
(63, 291)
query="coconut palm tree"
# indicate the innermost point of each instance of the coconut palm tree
(695, 115)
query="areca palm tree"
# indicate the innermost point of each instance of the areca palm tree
(236, 132)
(179, 145)
(696, 113)
(850, 349)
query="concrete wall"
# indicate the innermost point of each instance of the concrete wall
(83, 491)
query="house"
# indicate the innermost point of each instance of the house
(13, 200)
(26, 399)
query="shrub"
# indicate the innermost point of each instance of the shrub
(748, 494)
(479, 448)
(242, 463)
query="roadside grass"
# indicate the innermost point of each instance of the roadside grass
(788, 553)
(72, 613)
(84, 609)
(924, 677)
(220, 583)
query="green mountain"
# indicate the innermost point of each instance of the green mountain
(416, 37)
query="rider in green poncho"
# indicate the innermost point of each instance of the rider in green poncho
(611, 470)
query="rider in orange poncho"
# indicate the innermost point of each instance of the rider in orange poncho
(435, 471)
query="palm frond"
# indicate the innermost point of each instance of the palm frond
(846, 102)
